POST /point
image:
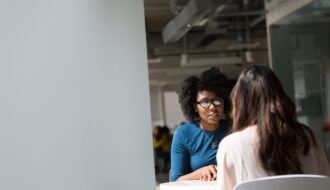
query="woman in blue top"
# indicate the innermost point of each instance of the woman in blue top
(204, 102)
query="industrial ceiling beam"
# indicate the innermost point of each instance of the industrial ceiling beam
(183, 22)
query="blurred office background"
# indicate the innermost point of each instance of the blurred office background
(185, 37)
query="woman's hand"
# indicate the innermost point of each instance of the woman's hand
(208, 173)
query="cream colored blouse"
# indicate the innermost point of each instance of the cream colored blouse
(238, 161)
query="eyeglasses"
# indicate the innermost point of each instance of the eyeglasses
(206, 103)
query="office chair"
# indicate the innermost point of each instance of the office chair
(287, 182)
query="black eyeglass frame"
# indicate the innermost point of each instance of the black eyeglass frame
(209, 102)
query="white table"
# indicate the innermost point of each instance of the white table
(189, 185)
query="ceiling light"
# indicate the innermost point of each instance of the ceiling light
(154, 60)
(249, 57)
(201, 22)
(240, 46)
(210, 61)
(184, 59)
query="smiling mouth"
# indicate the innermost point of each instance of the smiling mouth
(213, 115)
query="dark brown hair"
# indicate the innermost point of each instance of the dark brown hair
(259, 99)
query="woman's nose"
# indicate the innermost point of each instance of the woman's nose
(212, 106)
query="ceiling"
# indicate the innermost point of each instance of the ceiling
(185, 37)
(317, 12)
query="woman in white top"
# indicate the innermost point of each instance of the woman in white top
(267, 139)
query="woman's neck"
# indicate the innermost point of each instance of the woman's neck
(209, 127)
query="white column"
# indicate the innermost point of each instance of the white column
(74, 100)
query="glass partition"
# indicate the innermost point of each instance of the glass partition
(300, 56)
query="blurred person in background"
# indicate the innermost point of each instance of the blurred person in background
(162, 147)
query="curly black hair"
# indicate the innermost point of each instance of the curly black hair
(211, 80)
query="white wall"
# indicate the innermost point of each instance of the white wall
(165, 108)
(157, 105)
(74, 100)
(174, 115)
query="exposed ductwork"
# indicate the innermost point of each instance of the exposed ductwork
(186, 37)
(193, 12)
